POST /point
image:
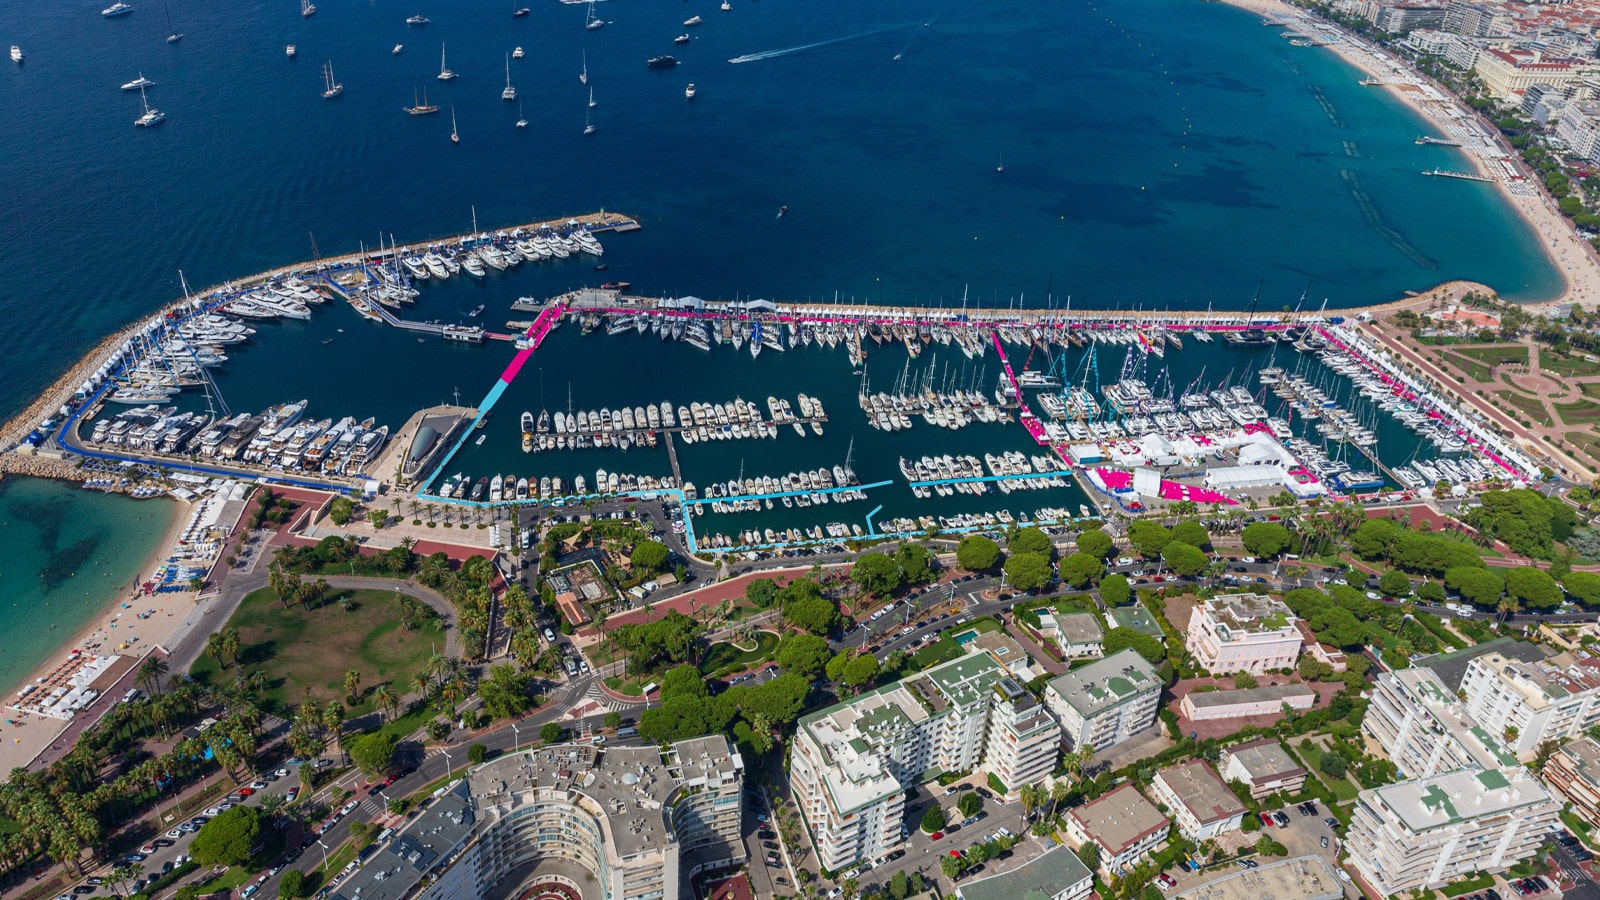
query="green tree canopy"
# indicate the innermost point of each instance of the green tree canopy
(1079, 569)
(1394, 583)
(550, 732)
(778, 701)
(1114, 589)
(1031, 540)
(341, 510)
(683, 681)
(1147, 646)
(373, 753)
(227, 839)
(915, 563)
(291, 885)
(1476, 585)
(505, 692)
(1374, 539)
(934, 819)
(969, 803)
(805, 655)
(1534, 588)
(1184, 559)
(1096, 542)
(977, 553)
(876, 573)
(1028, 571)
(1192, 533)
(1148, 537)
(860, 670)
(1265, 539)
(1583, 585)
(648, 557)
(762, 592)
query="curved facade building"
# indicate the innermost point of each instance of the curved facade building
(619, 823)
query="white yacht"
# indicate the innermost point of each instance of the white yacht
(692, 21)
(307, 8)
(137, 83)
(444, 71)
(151, 116)
(517, 53)
(398, 48)
(330, 88)
(522, 122)
(16, 53)
(688, 92)
(116, 9)
(289, 51)
(510, 93)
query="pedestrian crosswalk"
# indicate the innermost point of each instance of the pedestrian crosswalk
(594, 702)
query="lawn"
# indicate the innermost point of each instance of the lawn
(1477, 371)
(1531, 407)
(942, 650)
(1570, 366)
(1590, 389)
(304, 653)
(1578, 413)
(1515, 354)
(628, 687)
(725, 657)
(1586, 441)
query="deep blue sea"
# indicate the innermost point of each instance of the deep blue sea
(1157, 153)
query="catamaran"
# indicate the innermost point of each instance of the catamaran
(444, 71)
(307, 8)
(510, 93)
(522, 120)
(151, 117)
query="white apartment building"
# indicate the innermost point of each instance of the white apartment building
(1528, 703)
(1263, 766)
(640, 821)
(1579, 128)
(1203, 806)
(1430, 831)
(1243, 633)
(1507, 72)
(851, 763)
(1123, 825)
(1105, 702)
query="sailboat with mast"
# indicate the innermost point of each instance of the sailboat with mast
(421, 109)
(591, 98)
(151, 116)
(522, 120)
(593, 22)
(307, 8)
(588, 123)
(455, 136)
(583, 75)
(444, 71)
(330, 88)
(510, 93)
(173, 35)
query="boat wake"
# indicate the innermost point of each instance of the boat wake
(774, 54)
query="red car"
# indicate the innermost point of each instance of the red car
(245, 791)
(956, 853)
(936, 835)
(388, 781)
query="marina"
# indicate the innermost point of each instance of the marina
(1115, 408)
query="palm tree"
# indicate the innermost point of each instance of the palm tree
(423, 684)
(385, 699)
(230, 643)
(217, 650)
(333, 721)
(1032, 797)
(151, 671)
(352, 686)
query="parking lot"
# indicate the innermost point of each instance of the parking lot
(1308, 832)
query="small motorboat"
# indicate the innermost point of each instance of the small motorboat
(782, 210)
(681, 39)
(398, 48)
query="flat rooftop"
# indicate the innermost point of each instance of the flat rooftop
(392, 872)
(1443, 800)
(1300, 878)
(1202, 791)
(1041, 878)
(1079, 628)
(1245, 614)
(1120, 819)
(1105, 683)
(1211, 699)
(1265, 760)
(1451, 667)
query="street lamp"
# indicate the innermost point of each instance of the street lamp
(324, 854)
(516, 742)
(449, 765)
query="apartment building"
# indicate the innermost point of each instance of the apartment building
(1123, 825)
(851, 763)
(1424, 729)
(1508, 71)
(1263, 766)
(639, 820)
(1243, 633)
(1573, 775)
(1528, 703)
(1105, 702)
(1053, 875)
(1426, 832)
(1202, 804)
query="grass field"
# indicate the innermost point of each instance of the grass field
(1579, 412)
(1473, 369)
(724, 656)
(1529, 407)
(1571, 366)
(1590, 389)
(305, 653)
(1586, 441)
(1514, 354)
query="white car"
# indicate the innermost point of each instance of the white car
(349, 808)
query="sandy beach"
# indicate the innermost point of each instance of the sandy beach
(1578, 263)
(132, 624)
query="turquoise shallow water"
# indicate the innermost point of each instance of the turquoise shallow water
(67, 553)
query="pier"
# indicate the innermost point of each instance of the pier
(672, 457)
(1438, 142)
(1464, 176)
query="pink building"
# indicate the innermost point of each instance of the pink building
(1243, 633)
